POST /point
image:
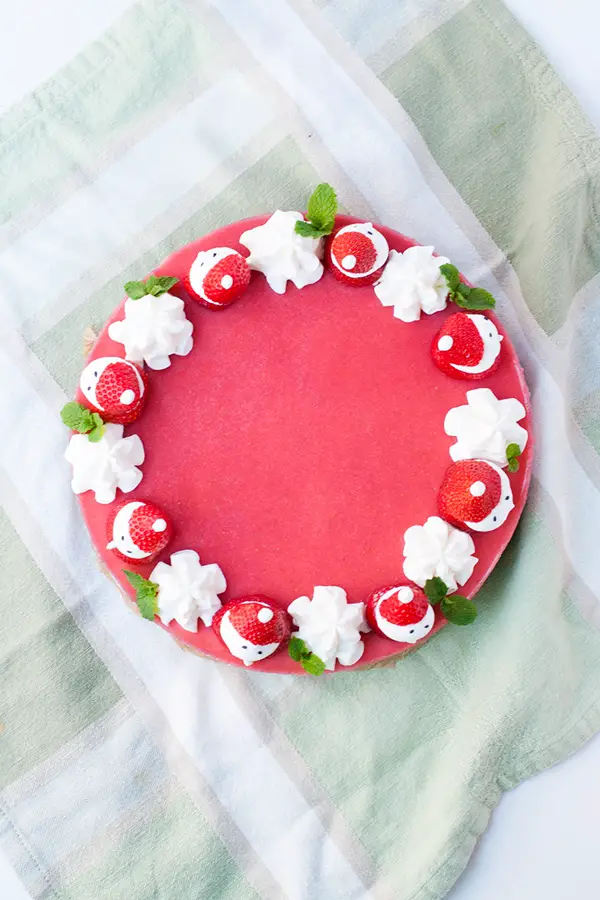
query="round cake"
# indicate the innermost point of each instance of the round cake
(302, 443)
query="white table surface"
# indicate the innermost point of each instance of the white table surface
(542, 842)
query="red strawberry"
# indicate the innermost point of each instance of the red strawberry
(217, 277)
(475, 494)
(467, 346)
(402, 613)
(357, 253)
(252, 627)
(115, 388)
(138, 531)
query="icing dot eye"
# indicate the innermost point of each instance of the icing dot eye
(369, 232)
(95, 374)
(495, 518)
(244, 646)
(260, 652)
(426, 627)
(412, 631)
(122, 537)
(507, 498)
(215, 253)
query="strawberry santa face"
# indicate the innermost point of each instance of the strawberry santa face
(358, 253)
(138, 531)
(115, 388)
(252, 628)
(467, 346)
(218, 276)
(475, 494)
(402, 613)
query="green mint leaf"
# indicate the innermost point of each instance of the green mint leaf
(162, 284)
(322, 207)
(459, 610)
(307, 229)
(513, 451)
(297, 648)
(452, 276)
(435, 589)
(146, 593)
(475, 298)
(72, 415)
(135, 289)
(463, 289)
(137, 582)
(78, 418)
(312, 664)
(96, 433)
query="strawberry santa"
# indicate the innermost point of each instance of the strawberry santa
(115, 388)
(252, 627)
(467, 346)
(217, 277)
(357, 253)
(475, 494)
(137, 530)
(402, 613)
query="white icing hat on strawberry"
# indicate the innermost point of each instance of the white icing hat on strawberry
(475, 494)
(218, 276)
(357, 253)
(402, 613)
(467, 346)
(252, 628)
(137, 530)
(114, 387)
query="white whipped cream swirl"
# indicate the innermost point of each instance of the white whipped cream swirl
(281, 254)
(106, 465)
(485, 427)
(412, 283)
(188, 590)
(438, 549)
(154, 328)
(330, 626)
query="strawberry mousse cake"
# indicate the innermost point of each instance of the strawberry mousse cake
(302, 443)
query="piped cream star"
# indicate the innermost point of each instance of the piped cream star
(485, 427)
(188, 590)
(412, 283)
(281, 254)
(330, 626)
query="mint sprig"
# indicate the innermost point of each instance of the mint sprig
(464, 296)
(435, 589)
(513, 451)
(300, 652)
(154, 285)
(82, 420)
(322, 208)
(146, 593)
(455, 608)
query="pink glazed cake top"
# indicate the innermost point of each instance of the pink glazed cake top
(294, 446)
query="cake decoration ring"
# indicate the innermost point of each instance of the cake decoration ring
(251, 401)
